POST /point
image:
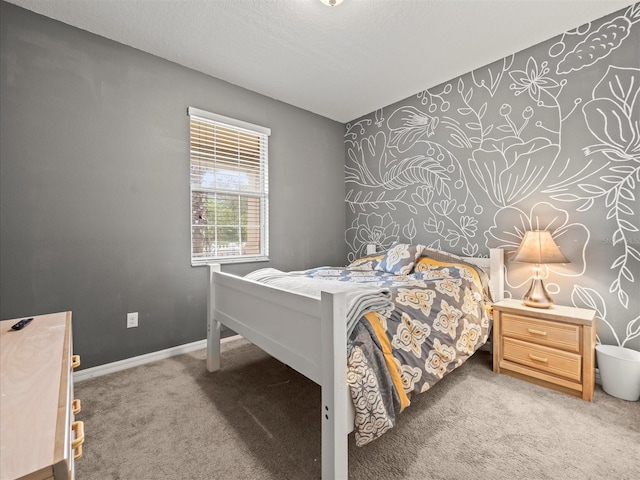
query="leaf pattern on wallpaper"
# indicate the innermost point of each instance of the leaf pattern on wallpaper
(381, 166)
(490, 76)
(589, 298)
(391, 175)
(409, 230)
(418, 170)
(408, 125)
(366, 157)
(597, 44)
(545, 138)
(356, 200)
(613, 118)
(456, 229)
(468, 132)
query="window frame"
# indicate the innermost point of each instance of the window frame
(263, 193)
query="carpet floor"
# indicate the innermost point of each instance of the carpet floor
(258, 419)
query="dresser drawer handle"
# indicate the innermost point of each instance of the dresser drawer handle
(538, 359)
(76, 444)
(533, 331)
(76, 406)
(75, 361)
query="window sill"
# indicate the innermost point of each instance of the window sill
(224, 261)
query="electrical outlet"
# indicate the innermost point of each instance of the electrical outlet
(132, 319)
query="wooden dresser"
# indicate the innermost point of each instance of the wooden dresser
(553, 347)
(39, 436)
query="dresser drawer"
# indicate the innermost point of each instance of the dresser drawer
(542, 332)
(550, 360)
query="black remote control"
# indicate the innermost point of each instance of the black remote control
(21, 324)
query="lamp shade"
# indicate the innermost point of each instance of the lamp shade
(538, 246)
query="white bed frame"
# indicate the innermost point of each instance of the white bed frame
(309, 335)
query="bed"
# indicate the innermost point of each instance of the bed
(281, 320)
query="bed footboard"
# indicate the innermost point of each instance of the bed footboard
(306, 333)
(335, 422)
(213, 326)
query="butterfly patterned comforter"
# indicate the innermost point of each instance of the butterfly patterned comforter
(438, 319)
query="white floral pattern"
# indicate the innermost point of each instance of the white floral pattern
(545, 138)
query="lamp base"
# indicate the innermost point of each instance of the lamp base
(537, 296)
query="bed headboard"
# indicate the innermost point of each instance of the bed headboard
(494, 266)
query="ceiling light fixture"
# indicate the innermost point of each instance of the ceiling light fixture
(331, 3)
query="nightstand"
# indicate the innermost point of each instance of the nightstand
(552, 347)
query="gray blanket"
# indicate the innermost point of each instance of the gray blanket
(361, 298)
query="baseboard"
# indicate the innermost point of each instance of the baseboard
(107, 368)
(143, 359)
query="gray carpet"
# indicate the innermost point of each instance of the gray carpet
(258, 419)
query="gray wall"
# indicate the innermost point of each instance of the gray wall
(95, 190)
(546, 138)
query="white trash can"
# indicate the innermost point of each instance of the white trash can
(619, 371)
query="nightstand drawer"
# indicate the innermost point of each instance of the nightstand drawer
(552, 347)
(545, 359)
(551, 334)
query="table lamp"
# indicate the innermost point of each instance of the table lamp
(538, 247)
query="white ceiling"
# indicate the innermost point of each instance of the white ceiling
(339, 62)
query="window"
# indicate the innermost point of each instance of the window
(229, 189)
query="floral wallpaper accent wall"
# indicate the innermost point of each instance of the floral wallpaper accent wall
(548, 138)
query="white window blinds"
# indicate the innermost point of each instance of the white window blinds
(229, 189)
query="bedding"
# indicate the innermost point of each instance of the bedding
(361, 298)
(427, 323)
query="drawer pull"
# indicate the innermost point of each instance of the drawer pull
(76, 444)
(75, 361)
(78, 453)
(533, 331)
(538, 359)
(76, 406)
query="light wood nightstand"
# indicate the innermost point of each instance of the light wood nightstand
(552, 347)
